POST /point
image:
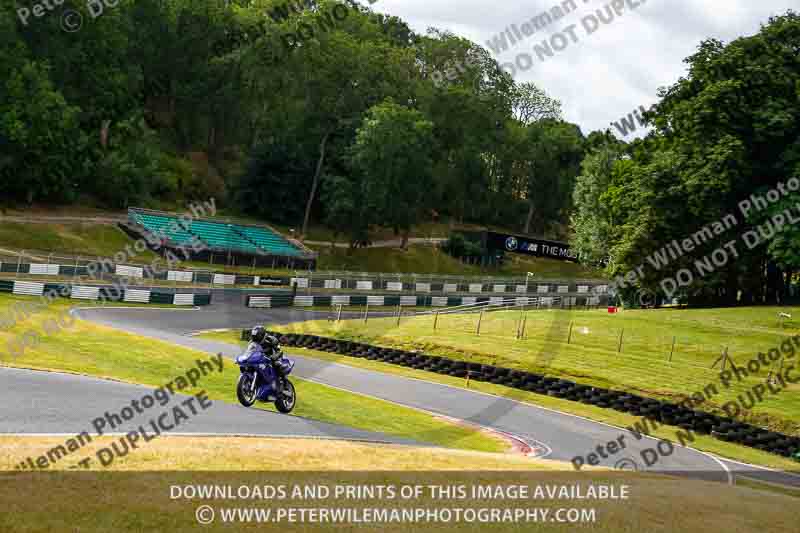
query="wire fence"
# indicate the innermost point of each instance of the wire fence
(588, 343)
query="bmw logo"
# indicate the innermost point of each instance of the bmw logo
(511, 243)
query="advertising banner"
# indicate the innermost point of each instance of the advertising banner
(529, 246)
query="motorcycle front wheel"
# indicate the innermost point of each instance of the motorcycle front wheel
(244, 392)
(286, 398)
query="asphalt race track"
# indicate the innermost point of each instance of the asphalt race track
(53, 403)
(48, 402)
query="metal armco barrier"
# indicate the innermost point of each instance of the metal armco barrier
(286, 300)
(667, 413)
(408, 283)
(107, 292)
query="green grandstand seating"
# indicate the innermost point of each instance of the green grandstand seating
(250, 239)
(221, 235)
(158, 223)
(268, 240)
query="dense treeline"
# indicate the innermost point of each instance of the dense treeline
(325, 112)
(331, 113)
(726, 133)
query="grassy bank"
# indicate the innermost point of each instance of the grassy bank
(95, 350)
(585, 346)
(608, 416)
(80, 238)
(91, 239)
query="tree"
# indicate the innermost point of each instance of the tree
(267, 187)
(43, 146)
(393, 156)
(592, 224)
(531, 104)
(551, 160)
(339, 74)
(727, 130)
(347, 210)
(131, 166)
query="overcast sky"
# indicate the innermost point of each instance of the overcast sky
(602, 76)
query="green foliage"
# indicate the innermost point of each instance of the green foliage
(532, 104)
(131, 166)
(392, 155)
(213, 79)
(459, 246)
(274, 183)
(42, 145)
(347, 212)
(552, 155)
(173, 173)
(727, 130)
(591, 220)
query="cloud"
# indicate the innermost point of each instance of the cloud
(605, 75)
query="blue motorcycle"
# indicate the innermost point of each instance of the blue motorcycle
(263, 378)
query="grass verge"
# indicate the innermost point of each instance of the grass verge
(185, 453)
(79, 238)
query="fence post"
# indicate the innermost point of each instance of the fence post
(770, 379)
(569, 337)
(672, 350)
(723, 357)
(435, 320)
(399, 312)
(480, 319)
(524, 323)
(621, 333)
(366, 313)
(339, 314)
(19, 263)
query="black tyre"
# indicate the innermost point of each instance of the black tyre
(286, 398)
(244, 392)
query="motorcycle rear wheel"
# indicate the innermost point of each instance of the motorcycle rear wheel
(243, 390)
(286, 398)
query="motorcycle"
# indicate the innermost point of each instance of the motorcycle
(259, 380)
